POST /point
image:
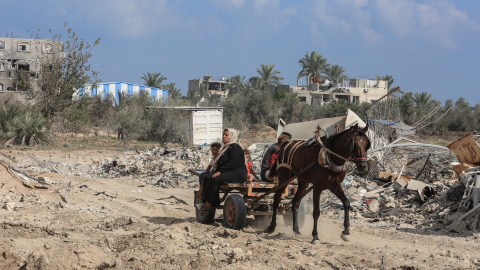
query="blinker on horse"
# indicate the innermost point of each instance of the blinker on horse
(294, 158)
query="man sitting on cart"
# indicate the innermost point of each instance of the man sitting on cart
(230, 168)
(270, 155)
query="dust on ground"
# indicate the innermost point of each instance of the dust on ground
(76, 221)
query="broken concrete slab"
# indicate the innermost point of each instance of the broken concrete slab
(373, 205)
(399, 184)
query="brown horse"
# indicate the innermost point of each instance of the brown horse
(350, 144)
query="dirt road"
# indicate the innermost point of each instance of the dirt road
(79, 222)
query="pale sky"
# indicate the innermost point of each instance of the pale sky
(427, 46)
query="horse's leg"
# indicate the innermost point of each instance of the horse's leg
(296, 202)
(276, 202)
(316, 213)
(338, 191)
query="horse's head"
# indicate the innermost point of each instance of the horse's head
(358, 144)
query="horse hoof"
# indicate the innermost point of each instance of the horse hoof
(345, 237)
(315, 242)
(297, 232)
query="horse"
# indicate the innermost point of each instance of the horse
(294, 158)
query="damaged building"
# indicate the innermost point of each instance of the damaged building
(352, 90)
(21, 60)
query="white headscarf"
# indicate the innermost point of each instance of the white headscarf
(233, 134)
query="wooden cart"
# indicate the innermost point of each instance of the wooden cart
(239, 200)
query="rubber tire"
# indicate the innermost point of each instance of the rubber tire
(264, 219)
(204, 217)
(234, 212)
(301, 216)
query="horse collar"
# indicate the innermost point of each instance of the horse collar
(334, 167)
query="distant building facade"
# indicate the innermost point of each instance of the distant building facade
(352, 90)
(217, 87)
(24, 57)
(112, 90)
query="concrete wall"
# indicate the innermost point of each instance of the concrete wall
(25, 55)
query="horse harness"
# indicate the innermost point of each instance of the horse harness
(324, 156)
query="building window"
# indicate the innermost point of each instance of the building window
(23, 67)
(48, 48)
(23, 47)
(1, 87)
(2, 66)
(2, 45)
(356, 99)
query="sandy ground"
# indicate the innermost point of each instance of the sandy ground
(79, 222)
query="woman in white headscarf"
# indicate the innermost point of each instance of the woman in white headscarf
(229, 168)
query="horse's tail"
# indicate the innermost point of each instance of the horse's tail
(273, 170)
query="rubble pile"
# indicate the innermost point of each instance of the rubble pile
(158, 166)
(439, 194)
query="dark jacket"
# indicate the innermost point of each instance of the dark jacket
(233, 160)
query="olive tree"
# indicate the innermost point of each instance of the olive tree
(63, 73)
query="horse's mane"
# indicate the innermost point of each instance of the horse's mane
(332, 138)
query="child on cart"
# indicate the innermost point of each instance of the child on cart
(251, 175)
(215, 149)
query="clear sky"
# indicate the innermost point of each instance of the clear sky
(427, 46)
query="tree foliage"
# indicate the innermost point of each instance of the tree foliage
(387, 78)
(313, 65)
(63, 74)
(153, 79)
(268, 76)
(334, 73)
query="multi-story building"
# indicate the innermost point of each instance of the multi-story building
(352, 90)
(21, 59)
(217, 87)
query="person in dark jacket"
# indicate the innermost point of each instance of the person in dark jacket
(272, 150)
(229, 168)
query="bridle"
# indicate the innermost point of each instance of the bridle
(362, 158)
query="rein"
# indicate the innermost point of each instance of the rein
(328, 150)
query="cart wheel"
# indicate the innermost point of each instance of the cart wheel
(234, 212)
(204, 217)
(301, 215)
(263, 219)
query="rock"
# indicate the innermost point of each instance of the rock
(394, 212)
(451, 218)
(238, 254)
(374, 206)
(9, 206)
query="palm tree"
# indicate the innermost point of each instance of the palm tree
(234, 84)
(153, 79)
(313, 66)
(268, 76)
(387, 78)
(422, 99)
(175, 93)
(334, 73)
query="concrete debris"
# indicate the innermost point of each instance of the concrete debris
(165, 168)
(416, 189)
